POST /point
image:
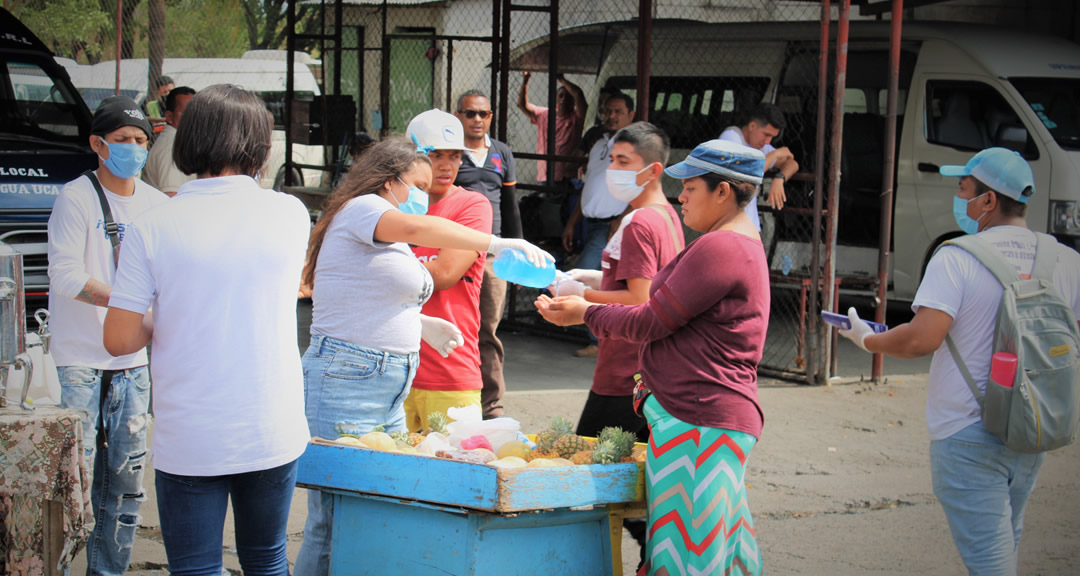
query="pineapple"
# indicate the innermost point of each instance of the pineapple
(621, 440)
(437, 422)
(411, 438)
(538, 453)
(605, 452)
(400, 437)
(545, 440)
(571, 444)
(582, 458)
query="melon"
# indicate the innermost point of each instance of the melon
(379, 441)
(350, 441)
(509, 462)
(541, 463)
(513, 448)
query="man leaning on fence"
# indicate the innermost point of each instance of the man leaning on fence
(982, 484)
(113, 394)
(765, 123)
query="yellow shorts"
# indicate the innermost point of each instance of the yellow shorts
(422, 403)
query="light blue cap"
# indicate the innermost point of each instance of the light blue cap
(723, 158)
(1002, 170)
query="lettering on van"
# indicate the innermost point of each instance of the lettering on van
(13, 38)
(19, 171)
(40, 189)
(1065, 66)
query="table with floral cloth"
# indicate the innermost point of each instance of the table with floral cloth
(44, 489)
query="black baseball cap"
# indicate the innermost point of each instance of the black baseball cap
(115, 112)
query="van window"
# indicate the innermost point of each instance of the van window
(854, 101)
(1056, 101)
(969, 116)
(695, 109)
(35, 105)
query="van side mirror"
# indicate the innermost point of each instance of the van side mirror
(1011, 136)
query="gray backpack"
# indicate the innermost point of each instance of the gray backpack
(1041, 410)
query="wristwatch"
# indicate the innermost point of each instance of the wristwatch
(780, 175)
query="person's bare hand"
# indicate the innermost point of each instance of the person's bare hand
(562, 311)
(568, 239)
(777, 196)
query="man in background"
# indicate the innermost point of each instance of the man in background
(155, 108)
(570, 109)
(765, 123)
(161, 172)
(487, 166)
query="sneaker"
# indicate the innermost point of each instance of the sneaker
(587, 352)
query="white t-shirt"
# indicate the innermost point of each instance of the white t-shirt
(957, 284)
(80, 250)
(160, 171)
(596, 200)
(221, 263)
(367, 292)
(734, 134)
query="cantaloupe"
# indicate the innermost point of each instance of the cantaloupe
(379, 441)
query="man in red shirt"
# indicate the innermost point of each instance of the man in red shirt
(570, 109)
(649, 237)
(454, 381)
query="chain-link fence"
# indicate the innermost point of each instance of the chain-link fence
(371, 65)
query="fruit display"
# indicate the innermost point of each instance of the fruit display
(555, 446)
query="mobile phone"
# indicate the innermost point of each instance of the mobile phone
(842, 321)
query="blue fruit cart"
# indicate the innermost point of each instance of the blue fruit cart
(405, 514)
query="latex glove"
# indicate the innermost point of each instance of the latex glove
(567, 287)
(859, 330)
(534, 255)
(441, 335)
(590, 278)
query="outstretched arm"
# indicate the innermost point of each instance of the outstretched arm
(580, 105)
(523, 103)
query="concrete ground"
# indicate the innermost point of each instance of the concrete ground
(839, 484)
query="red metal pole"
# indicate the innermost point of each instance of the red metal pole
(888, 181)
(119, 46)
(837, 148)
(644, 58)
(819, 187)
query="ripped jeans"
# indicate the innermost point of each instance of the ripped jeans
(357, 389)
(117, 489)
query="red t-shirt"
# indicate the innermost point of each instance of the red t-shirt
(639, 249)
(459, 304)
(702, 332)
(567, 138)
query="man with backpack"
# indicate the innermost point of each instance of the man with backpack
(1000, 289)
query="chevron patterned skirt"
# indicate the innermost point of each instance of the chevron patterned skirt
(699, 519)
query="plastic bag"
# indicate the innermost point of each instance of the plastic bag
(433, 443)
(469, 421)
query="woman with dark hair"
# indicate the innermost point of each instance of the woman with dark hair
(701, 336)
(219, 264)
(367, 291)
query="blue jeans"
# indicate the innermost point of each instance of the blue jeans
(117, 488)
(192, 510)
(354, 389)
(984, 488)
(594, 239)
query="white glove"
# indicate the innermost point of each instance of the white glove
(859, 330)
(567, 287)
(590, 278)
(441, 335)
(536, 256)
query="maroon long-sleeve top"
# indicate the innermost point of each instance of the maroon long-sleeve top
(702, 332)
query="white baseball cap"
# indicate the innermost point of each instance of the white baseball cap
(436, 130)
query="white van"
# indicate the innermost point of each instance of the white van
(962, 88)
(264, 76)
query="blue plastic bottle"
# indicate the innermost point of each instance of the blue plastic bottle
(512, 265)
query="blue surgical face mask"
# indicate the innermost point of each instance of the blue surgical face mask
(959, 210)
(125, 160)
(417, 202)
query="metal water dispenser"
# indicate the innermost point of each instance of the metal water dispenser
(13, 324)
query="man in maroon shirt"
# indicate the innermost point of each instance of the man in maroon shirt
(647, 239)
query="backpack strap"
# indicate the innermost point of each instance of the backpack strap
(1045, 257)
(988, 255)
(670, 225)
(112, 229)
(964, 370)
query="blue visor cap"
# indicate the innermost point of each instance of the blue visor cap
(1002, 170)
(723, 158)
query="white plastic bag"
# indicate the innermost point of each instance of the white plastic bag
(432, 444)
(469, 421)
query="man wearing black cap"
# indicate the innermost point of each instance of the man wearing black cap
(82, 264)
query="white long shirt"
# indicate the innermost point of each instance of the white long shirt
(221, 263)
(160, 170)
(80, 250)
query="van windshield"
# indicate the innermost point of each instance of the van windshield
(35, 105)
(1056, 101)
